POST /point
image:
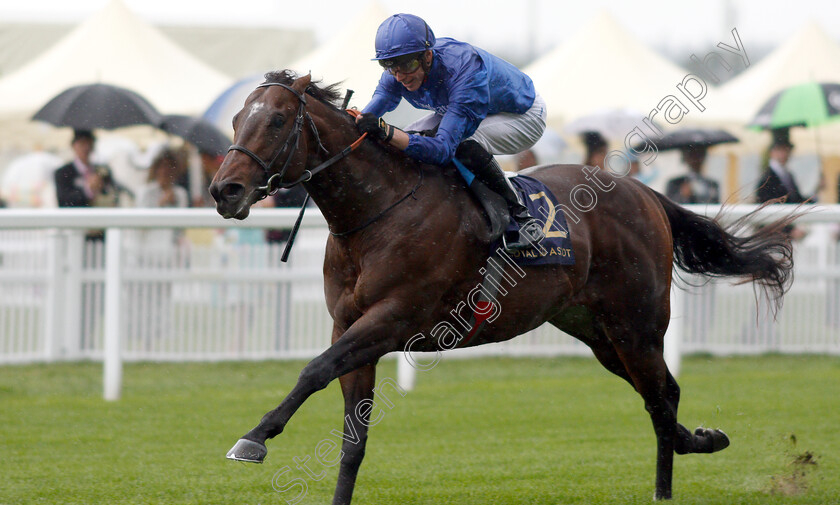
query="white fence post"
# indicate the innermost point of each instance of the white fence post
(406, 374)
(71, 267)
(53, 311)
(113, 314)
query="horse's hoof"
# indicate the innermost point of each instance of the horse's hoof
(661, 495)
(719, 439)
(247, 450)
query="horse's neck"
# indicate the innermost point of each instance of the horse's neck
(359, 187)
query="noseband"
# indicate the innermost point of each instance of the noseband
(273, 181)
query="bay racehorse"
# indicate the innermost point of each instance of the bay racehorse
(408, 243)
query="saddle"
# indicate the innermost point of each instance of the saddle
(495, 207)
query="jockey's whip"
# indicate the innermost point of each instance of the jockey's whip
(347, 96)
(292, 235)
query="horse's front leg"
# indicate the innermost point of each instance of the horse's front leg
(369, 338)
(357, 386)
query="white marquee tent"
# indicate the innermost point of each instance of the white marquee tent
(809, 55)
(113, 46)
(233, 50)
(603, 66)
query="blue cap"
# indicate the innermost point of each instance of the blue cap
(402, 34)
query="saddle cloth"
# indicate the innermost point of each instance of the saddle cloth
(556, 247)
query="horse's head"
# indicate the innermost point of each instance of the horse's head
(266, 150)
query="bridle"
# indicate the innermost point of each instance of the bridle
(274, 181)
(291, 144)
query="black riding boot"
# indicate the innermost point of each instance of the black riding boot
(487, 170)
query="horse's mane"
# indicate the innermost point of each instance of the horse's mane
(330, 94)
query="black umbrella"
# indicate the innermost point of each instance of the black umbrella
(200, 132)
(98, 106)
(691, 137)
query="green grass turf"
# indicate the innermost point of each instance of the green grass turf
(500, 431)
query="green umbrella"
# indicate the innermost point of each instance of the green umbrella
(809, 104)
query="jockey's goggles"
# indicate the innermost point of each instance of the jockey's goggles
(407, 64)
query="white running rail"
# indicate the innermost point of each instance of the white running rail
(221, 293)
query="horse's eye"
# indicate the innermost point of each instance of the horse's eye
(277, 121)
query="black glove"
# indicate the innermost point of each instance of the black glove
(375, 126)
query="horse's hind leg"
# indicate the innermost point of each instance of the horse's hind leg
(703, 440)
(583, 327)
(604, 350)
(641, 364)
(641, 353)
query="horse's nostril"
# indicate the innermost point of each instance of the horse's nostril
(233, 192)
(229, 192)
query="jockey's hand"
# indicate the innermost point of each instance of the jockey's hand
(375, 126)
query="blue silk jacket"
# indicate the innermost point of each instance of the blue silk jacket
(465, 84)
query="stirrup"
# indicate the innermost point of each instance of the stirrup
(530, 233)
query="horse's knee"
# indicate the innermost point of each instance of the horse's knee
(353, 453)
(315, 375)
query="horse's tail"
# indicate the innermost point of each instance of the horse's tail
(703, 246)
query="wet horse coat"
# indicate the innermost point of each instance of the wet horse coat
(420, 241)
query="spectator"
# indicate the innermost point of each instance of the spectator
(161, 190)
(80, 183)
(596, 149)
(777, 181)
(694, 187)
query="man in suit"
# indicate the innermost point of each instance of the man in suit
(777, 181)
(80, 183)
(694, 187)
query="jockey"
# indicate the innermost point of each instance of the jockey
(482, 106)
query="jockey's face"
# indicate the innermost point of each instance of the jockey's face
(412, 79)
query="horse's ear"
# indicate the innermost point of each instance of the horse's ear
(301, 83)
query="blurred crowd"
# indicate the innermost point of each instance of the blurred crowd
(178, 175)
(173, 176)
(777, 182)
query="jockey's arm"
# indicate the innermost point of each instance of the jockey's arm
(400, 139)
